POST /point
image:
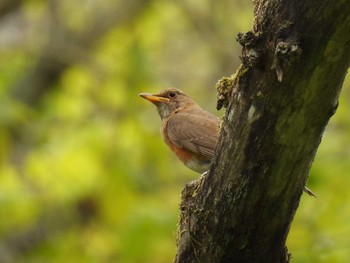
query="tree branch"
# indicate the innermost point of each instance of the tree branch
(278, 104)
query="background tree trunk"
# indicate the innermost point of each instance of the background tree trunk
(278, 104)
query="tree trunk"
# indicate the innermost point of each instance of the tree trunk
(278, 103)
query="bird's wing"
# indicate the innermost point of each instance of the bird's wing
(195, 133)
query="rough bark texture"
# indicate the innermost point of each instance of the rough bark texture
(278, 104)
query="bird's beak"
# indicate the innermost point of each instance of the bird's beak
(153, 98)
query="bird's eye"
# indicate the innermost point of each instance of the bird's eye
(172, 94)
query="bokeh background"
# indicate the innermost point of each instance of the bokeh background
(84, 174)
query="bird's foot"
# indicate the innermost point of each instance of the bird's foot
(201, 179)
(203, 175)
(195, 185)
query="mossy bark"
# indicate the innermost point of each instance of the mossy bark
(278, 104)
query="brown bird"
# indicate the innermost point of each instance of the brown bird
(189, 131)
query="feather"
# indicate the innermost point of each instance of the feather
(197, 133)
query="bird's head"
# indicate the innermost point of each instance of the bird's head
(167, 101)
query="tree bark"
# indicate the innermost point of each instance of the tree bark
(278, 104)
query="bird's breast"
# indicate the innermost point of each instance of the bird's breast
(192, 160)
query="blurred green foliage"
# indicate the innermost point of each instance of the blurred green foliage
(84, 174)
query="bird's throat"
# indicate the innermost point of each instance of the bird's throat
(163, 110)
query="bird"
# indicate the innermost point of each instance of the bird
(188, 130)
